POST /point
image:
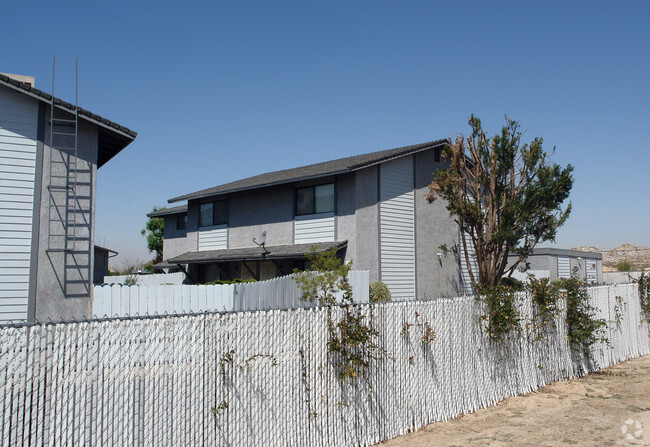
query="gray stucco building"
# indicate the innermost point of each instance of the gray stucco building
(371, 207)
(563, 263)
(50, 151)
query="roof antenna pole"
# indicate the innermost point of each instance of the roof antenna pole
(76, 153)
(49, 207)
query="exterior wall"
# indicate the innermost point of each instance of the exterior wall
(366, 254)
(18, 147)
(64, 278)
(345, 215)
(266, 209)
(436, 276)
(174, 240)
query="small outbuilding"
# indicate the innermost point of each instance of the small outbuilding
(557, 263)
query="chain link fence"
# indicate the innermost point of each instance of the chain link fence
(267, 378)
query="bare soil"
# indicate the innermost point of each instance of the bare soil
(608, 408)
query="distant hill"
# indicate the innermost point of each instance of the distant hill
(638, 257)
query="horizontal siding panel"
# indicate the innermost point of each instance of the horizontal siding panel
(15, 234)
(9, 298)
(11, 199)
(8, 160)
(15, 184)
(13, 264)
(213, 238)
(21, 176)
(17, 280)
(397, 227)
(18, 126)
(18, 152)
(23, 190)
(16, 226)
(17, 245)
(16, 169)
(13, 308)
(17, 129)
(320, 228)
(15, 288)
(13, 317)
(18, 256)
(15, 208)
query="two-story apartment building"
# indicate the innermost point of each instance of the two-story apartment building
(372, 208)
(50, 151)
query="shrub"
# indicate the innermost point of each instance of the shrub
(513, 284)
(223, 281)
(379, 292)
(623, 266)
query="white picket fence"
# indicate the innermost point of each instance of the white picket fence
(279, 293)
(271, 378)
(147, 280)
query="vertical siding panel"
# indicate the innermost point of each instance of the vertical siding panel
(397, 227)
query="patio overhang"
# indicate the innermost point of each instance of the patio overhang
(275, 252)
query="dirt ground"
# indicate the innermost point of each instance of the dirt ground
(608, 408)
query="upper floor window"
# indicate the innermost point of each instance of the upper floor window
(315, 199)
(181, 221)
(213, 213)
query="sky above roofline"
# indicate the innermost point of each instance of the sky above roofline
(220, 91)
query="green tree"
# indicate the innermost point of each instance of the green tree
(505, 197)
(153, 232)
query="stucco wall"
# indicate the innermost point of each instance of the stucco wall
(62, 274)
(366, 253)
(175, 241)
(436, 276)
(266, 209)
(345, 215)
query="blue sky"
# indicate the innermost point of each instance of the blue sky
(219, 91)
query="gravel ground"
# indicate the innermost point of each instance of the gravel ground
(608, 408)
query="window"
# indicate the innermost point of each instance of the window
(181, 221)
(213, 213)
(315, 199)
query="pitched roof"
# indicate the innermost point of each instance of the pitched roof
(167, 211)
(339, 166)
(113, 137)
(296, 251)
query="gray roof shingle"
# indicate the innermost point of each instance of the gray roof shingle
(296, 251)
(113, 137)
(333, 167)
(168, 211)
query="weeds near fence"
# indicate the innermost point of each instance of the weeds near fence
(228, 358)
(643, 284)
(546, 298)
(352, 341)
(584, 328)
(502, 317)
(619, 307)
(427, 334)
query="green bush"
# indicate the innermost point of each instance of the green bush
(223, 281)
(379, 292)
(513, 283)
(623, 266)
